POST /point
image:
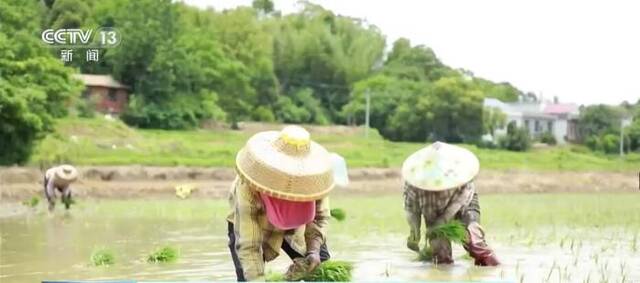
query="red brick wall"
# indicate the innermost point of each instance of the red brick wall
(106, 103)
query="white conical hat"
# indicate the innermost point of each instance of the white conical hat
(440, 166)
(287, 165)
(66, 173)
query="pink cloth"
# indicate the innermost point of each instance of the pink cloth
(285, 215)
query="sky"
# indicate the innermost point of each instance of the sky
(585, 52)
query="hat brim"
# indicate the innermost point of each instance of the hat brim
(448, 168)
(70, 176)
(304, 177)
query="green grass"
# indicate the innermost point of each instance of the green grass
(164, 254)
(102, 257)
(101, 142)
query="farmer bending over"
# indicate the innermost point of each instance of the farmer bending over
(59, 178)
(279, 201)
(438, 185)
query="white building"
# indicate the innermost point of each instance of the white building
(560, 119)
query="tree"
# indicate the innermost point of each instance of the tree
(66, 14)
(416, 63)
(597, 120)
(245, 39)
(493, 118)
(633, 134)
(179, 73)
(316, 49)
(34, 86)
(502, 91)
(457, 110)
(263, 6)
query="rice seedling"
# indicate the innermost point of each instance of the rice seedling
(339, 214)
(164, 254)
(102, 257)
(328, 271)
(553, 266)
(453, 231)
(273, 276)
(32, 202)
(387, 270)
(572, 244)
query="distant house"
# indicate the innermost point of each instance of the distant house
(111, 96)
(540, 117)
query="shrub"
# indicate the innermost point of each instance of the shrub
(263, 114)
(610, 143)
(548, 138)
(87, 107)
(517, 139)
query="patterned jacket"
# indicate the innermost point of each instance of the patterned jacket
(257, 240)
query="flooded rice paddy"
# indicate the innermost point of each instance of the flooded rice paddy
(538, 237)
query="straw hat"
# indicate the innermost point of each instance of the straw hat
(66, 173)
(440, 166)
(287, 165)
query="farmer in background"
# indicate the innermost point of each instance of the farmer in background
(58, 179)
(438, 185)
(279, 201)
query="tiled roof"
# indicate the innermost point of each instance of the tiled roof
(99, 80)
(561, 108)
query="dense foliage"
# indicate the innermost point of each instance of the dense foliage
(35, 87)
(600, 127)
(186, 66)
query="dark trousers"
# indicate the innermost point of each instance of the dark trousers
(51, 196)
(324, 252)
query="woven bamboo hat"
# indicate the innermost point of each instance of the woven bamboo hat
(66, 173)
(287, 165)
(439, 167)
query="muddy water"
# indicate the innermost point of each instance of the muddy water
(36, 245)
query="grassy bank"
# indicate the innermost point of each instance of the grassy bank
(102, 142)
